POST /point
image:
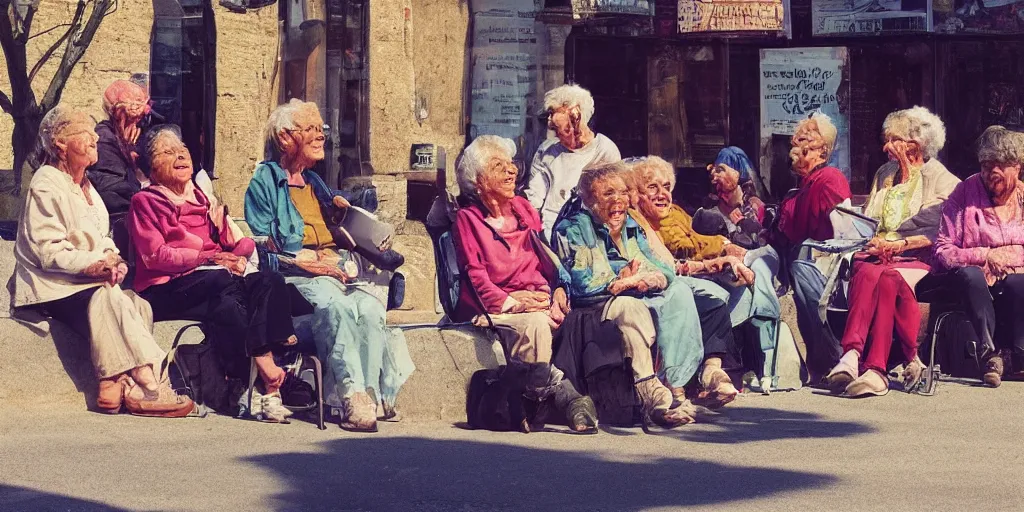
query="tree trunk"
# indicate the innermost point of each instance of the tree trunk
(25, 141)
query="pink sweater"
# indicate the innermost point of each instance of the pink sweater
(970, 227)
(172, 240)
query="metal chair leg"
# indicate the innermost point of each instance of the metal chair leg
(319, 378)
(252, 384)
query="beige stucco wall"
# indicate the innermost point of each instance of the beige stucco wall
(425, 57)
(115, 53)
(247, 49)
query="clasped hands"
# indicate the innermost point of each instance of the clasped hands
(742, 274)
(556, 305)
(633, 277)
(111, 269)
(885, 250)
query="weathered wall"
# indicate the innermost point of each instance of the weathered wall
(421, 55)
(120, 48)
(247, 50)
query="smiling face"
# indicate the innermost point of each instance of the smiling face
(724, 179)
(306, 140)
(1000, 178)
(611, 201)
(655, 195)
(171, 161)
(497, 182)
(808, 148)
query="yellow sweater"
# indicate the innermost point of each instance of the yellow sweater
(677, 232)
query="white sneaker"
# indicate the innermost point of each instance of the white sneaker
(274, 410)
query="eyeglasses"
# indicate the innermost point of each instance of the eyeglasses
(174, 150)
(92, 135)
(311, 129)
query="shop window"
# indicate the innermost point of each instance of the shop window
(981, 87)
(182, 74)
(347, 89)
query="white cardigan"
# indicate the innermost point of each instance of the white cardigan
(59, 235)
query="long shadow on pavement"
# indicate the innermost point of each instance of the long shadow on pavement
(398, 474)
(751, 424)
(22, 499)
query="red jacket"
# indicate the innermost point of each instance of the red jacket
(495, 264)
(171, 240)
(804, 215)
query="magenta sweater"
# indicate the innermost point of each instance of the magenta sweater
(171, 240)
(970, 227)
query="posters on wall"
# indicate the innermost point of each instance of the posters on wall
(733, 15)
(795, 83)
(979, 16)
(844, 17)
(587, 8)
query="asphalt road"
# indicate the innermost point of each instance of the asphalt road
(959, 450)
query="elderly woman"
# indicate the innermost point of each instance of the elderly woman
(804, 215)
(979, 253)
(559, 161)
(608, 255)
(287, 206)
(906, 198)
(751, 297)
(737, 212)
(68, 268)
(510, 274)
(116, 176)
(190, 267)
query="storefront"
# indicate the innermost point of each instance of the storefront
(685, 96)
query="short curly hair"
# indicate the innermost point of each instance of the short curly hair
(571, 96)
(919, 125)
(592, 176)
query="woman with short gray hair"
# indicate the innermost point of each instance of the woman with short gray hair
(67, 267)
(906, 198)
(510, 275)
(979, 253)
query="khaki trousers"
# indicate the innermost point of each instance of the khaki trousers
(633, 318)
(535, 337)
(121, 332)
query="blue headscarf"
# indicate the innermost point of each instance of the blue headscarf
(735, 157)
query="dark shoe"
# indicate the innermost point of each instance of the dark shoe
(111, 394)
(993, 376)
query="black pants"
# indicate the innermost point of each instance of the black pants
(996, 312)
(242, 316)
(716, 328)
(72, 311)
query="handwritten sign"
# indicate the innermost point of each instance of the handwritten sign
(729, 16)
(798, 82)
(867, 17)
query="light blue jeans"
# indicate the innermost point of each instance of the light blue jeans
(348, 326)
(759, 305)
(676, 313)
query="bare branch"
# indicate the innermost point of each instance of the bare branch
(5, 103)
(74, 48)
(26, 25)
(49, 52)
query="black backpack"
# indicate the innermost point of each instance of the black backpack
(954, 345)
(196, 371)
(492, 405)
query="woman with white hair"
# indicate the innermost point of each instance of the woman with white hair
(979, 253)
(906, 198)
(512, 276)
(573, 149)
(68, 267)
(287, 207)
(804, 215)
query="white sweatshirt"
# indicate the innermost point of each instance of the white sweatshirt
(556, 171)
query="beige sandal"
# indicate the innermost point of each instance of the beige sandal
(360, 413)
(871, 383)
(843, 373)
(718, 389)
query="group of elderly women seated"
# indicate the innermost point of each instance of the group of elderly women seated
(671, 287)
(193, 263)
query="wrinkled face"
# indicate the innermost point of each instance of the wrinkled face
(896, 147)
(497, 182)
(566, 121)
(172, 163)
(808, 149)
(611, 202)
(999, 177)
(724, 179)
(77, 144)
(307, 138)
(655, 196)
